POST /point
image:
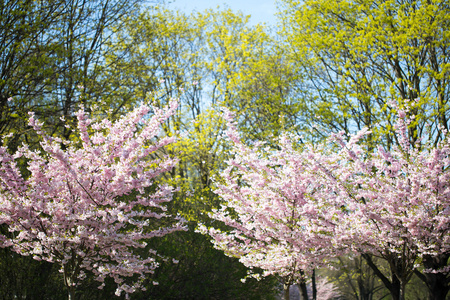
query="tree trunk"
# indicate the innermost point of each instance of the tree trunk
(303, 289)
(71, 290)
(286, 291)
(396, 290)
(313, 285)
(437, 283)
(69, 279)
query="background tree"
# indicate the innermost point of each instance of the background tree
(25, 47)
(267, 90)
(355, 56)
(51, 52)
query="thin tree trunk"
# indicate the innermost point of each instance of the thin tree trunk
(396, 290)
(71, 290)
(313, 284)
(303, 290)
(286, 291)
(438, 284)
(303, 287)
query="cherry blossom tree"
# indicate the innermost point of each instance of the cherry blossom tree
(279, 221)
(296, 207)
(87, 203)
(398, 205)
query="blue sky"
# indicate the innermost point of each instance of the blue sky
(260, 10)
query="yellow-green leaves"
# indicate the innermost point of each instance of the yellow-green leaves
(202, 153)
(359, 55)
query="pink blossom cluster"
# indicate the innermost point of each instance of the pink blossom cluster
(86, 203)
(298, 206)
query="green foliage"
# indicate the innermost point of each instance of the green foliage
(269, 95)
(51, 56)
(202, 154)
(24, 278)
(201, 272)
(358, 55)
